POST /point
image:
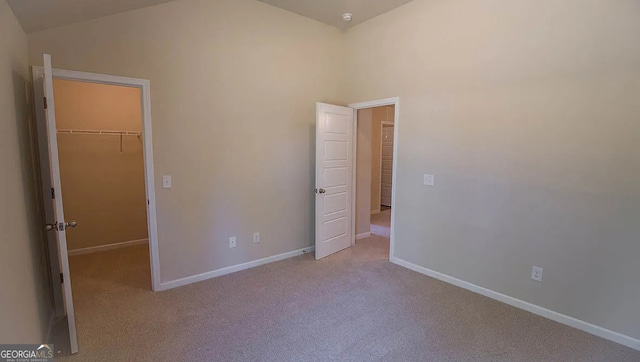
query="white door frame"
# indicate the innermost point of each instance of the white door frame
(144, 86)
(395, 101)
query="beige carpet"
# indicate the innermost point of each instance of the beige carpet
(381, 223)
(352, 306)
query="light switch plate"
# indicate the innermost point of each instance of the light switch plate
(429, 179)
(256, 237)
(166, 182)
(232, 242)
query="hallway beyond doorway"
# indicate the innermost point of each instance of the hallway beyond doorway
(381, 223)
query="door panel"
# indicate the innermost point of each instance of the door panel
(54, 210)
(45, 179)
(334, 203)
(336, 150)
(335, 228)
(334, 178)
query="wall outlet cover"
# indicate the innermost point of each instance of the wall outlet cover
(536, 273)
(429, 179)
(166, 182)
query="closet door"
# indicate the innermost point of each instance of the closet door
(56, 226)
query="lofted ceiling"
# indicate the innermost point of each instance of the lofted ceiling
(37, 15)
(330, 11)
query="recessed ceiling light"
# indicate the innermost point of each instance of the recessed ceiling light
(347, 17)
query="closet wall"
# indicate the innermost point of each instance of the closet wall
(102, 178)
(363, 172)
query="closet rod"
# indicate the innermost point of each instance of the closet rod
(99, 132)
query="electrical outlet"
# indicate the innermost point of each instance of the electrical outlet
(256, 237)
(536, 273)
(166, 182)
(429, 179)
(232, 242)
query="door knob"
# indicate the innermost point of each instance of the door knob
(49, 227)
(71, 224)
(322, 191)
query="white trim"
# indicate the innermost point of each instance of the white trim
(95, 249)
(395, 101)
(145, 87)
(354, 178)
(363, 235)
(543, 312)
(376, 103)
(232, 269)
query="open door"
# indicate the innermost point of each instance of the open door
(334, 178)
(56, 225)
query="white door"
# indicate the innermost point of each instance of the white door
(386, 169)
(50, 167)
(334, 178)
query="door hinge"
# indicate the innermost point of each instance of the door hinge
(45, 102)
(53, 193)
(61, 278)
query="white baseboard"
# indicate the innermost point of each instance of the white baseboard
(232, 269)
(95, 249)
(543, 312)
(363, 235)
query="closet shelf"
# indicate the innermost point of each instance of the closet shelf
(99, 132)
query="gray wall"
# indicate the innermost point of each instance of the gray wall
(233, 86)
(527, 113)
(25, 303)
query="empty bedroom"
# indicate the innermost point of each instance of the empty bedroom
(302, 180)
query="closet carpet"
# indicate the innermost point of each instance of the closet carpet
(352, 306)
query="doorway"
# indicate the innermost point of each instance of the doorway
(381, 216)
(374, 171)
(99, 131)
(81, 145)
(345, 176)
